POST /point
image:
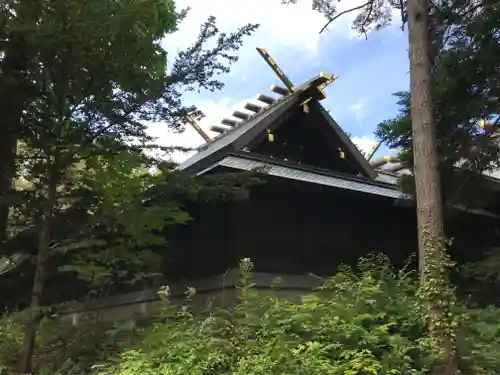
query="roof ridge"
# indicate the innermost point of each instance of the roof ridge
(242, 131)
(266, 102)
(241, 123)
(224, 128)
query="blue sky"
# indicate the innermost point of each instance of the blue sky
(369, 70)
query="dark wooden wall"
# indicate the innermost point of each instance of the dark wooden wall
(302, 228)
(298, 228)
(293, 228)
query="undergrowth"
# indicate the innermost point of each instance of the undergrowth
(363, 320)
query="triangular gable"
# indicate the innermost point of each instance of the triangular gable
(310, 137)
(253, 135)
(237, 138)
(353, 152)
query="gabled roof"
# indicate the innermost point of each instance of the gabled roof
(238, 137)
(350, 147)
(245, 161)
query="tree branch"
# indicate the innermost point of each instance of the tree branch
(345, 12)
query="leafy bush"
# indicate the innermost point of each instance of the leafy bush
(62, 348)
(479, 341)
(11, 336)
(363, 320)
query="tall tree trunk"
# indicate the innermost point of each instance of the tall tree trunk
(7, 172)
(44, 240)
(427, 178)
(15, 91)
(12, 102)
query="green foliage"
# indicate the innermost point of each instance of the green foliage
(99, 68)
(126, 238)
(479, 343)
(363, 320)
(85, 78)
(121, 183)
(116, 247)
(11, 336)
(484, 276)
(61, 346)
(464, 89)
(437, 297)
(486, 270)
(127, 201)
(91, 75)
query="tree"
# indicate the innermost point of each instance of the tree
(96, 71)
(465, 90)
(16, 89)
(432, 265)
(432, 260)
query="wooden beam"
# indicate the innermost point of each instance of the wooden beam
(253, 107)
(382, 161)
(219, 129)
(241, 115)
(373, 150)
(315, 87)
(280, 90)
(265, 55)
(229, 121)
(266, 99)
(198, 129)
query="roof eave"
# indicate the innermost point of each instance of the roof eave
(365, 167)
(277, 169)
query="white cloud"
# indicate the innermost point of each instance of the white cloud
(281, 26)
(358, 109)
(364, 143)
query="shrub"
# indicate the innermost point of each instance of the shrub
(61, 346)
(11, 336)
(479, 341)
(364, 320)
